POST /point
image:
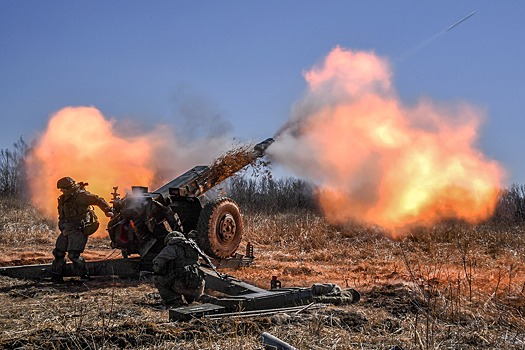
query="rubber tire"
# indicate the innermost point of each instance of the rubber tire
(220, 228)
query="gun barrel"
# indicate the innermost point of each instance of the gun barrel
(259, 149)
(186, 184)
(198, 180)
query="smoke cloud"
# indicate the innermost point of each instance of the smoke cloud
(379, 161)
(81, 143)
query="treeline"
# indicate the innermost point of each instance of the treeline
(270, 196)
(12, 177)
(510, 208)
(259, 194)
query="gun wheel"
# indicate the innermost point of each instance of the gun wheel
(220, 228)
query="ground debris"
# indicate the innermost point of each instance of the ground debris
(398, 299)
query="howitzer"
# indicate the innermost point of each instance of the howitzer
(143, 219)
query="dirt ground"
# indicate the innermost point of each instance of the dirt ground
(410, 298)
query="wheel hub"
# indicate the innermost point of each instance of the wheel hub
(227, 228)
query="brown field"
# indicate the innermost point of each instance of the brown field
(453, 286)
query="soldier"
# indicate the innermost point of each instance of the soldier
(76, 221)
(177, 272)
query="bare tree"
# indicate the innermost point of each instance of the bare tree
(269, 195)
(12, 179)
(510, 207)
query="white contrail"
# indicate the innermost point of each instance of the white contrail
(431, 39)
(461, 21)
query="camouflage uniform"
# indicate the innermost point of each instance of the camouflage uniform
(76, 221)
(177, 271)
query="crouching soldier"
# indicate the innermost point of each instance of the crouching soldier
(76, 221)
(177, 272)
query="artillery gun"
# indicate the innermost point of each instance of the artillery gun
(143, 219)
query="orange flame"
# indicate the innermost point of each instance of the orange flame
(379, 161)
(79, 142)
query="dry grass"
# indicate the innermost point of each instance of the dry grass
(453, 286)
(22, 224)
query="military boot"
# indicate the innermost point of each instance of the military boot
(57, 269)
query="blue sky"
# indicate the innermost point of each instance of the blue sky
(242, 61)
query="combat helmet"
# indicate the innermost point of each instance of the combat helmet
(65, 182)
(173, 234)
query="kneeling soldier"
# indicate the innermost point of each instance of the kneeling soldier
(177, 272)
